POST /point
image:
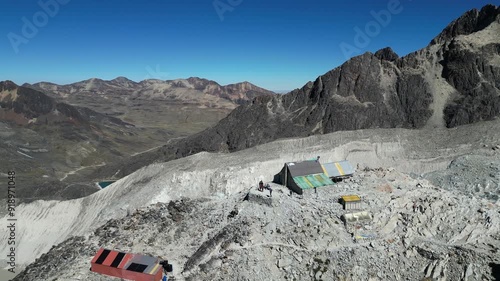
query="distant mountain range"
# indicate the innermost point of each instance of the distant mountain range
(151, 103)
(192, 89)
(52, 133)
(453, 81)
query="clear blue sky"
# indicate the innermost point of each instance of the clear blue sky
(279, 45)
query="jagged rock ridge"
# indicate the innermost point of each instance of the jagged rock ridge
(453, 81)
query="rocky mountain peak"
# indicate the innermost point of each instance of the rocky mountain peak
(386, 54)
(93, 80)
(200, 80)
(201, 83)
(434, 87)
(28, 103)
(122, 80)
(91, 83)
(7, 85)
(470, 22)
(243, 85)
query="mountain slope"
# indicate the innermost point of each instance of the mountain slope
(421, 230)
(162, 109)
(122, 93)
(25, 106)
(56, 141)
(238, 93)
(210, 176)
(44, 140)
(248, 236)
(454, 81)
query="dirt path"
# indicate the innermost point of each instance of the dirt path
(79, 169)
(141, 152)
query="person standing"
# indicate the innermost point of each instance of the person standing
(268, 187)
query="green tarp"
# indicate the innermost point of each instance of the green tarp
(310, 181)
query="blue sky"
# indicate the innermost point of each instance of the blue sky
(279, 45)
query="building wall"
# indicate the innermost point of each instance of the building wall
(125, 274)
(356, 205)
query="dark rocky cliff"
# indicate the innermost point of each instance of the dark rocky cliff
(453, 81)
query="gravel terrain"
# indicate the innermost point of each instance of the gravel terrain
(417, 231)
(192, 210)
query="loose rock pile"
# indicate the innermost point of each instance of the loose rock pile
(471, 174)
(420, 231)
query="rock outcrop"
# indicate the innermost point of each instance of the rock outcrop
(418, 232)
(470, 22)
(453, 81)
